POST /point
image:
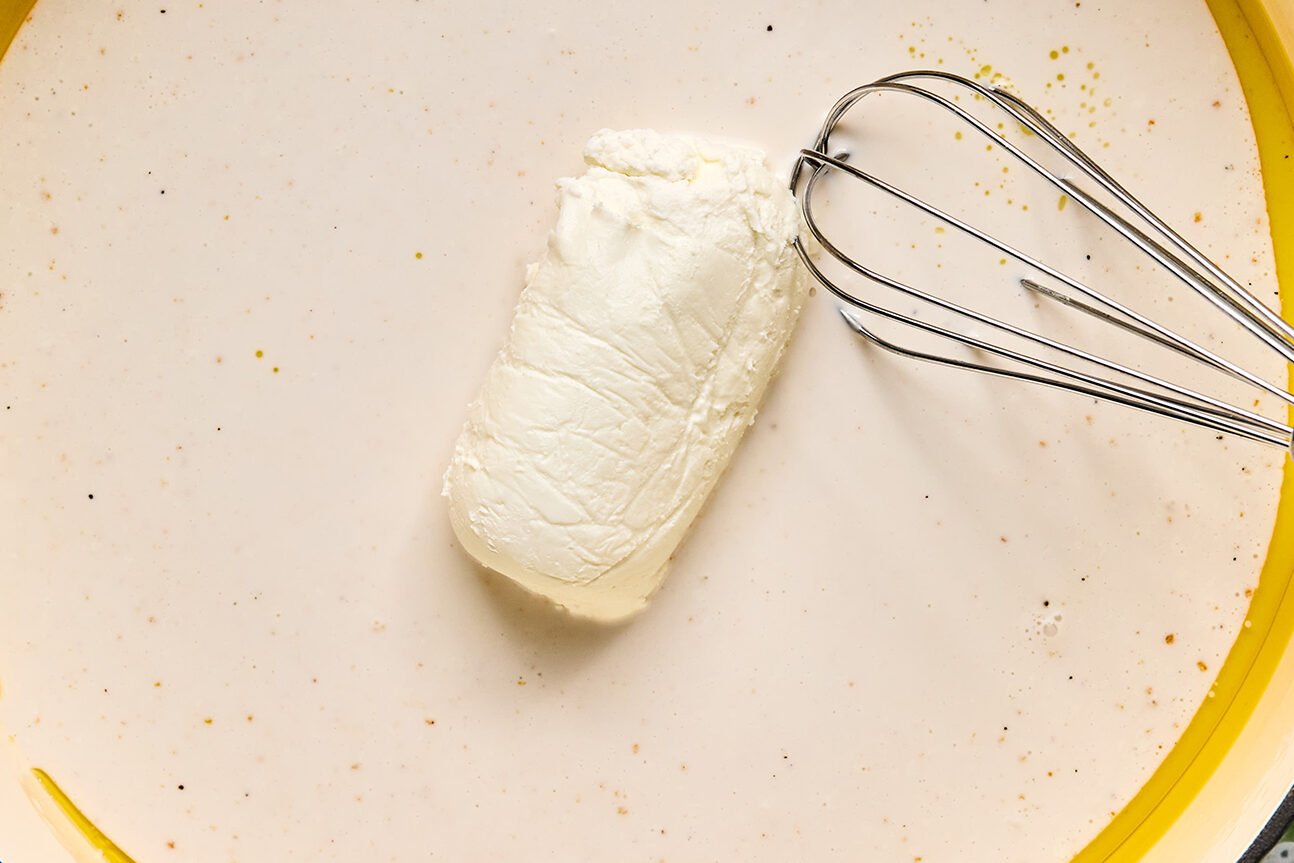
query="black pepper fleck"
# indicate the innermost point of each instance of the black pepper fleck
(90, 496)
(181, 787)
(770, 30)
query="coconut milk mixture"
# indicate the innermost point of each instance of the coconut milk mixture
(255, 259)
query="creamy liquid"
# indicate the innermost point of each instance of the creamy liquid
(256, 260)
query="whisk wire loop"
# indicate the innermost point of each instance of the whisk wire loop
(1146, 231)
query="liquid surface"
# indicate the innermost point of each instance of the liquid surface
(256, 259)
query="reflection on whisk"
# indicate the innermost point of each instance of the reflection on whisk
(1126, 215)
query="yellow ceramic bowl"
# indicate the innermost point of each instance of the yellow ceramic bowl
(1235, 761)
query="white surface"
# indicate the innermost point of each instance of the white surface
(850, 659)
(639, 354)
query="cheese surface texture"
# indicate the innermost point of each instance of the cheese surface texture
(640, 349)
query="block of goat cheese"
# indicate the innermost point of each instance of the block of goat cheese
(640, 349)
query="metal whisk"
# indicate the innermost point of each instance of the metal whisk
(1107, 380)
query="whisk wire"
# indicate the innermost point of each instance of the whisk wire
(1160, 330)
(1192, 407)
(1166, 248)
(1254, 306)
(1222, 300)
(1267, 321)
(1126, 326)
(1127, 396)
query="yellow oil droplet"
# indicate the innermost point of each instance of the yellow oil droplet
(985, 69)
(939, 229)
(957, 136)
(418, 255)
(1060, 76)
(1060, 204)
(1064, 49)
(1001, 262)
(1055, 55)
(260, 354)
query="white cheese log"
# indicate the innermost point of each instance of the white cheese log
(641, 347)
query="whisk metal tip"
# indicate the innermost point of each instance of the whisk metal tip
(857, 326)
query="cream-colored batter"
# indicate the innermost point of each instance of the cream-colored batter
(258, 257)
